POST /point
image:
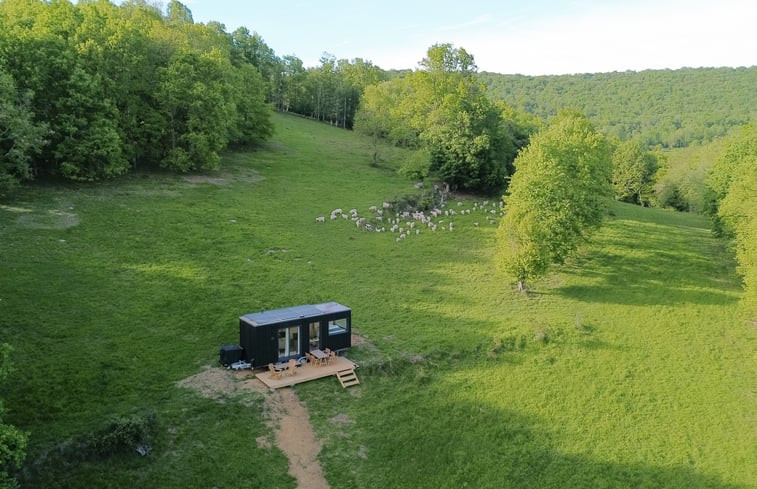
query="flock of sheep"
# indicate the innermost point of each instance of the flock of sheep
(384, 218)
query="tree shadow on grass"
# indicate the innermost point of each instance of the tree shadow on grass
(639, 262)
(442, 442)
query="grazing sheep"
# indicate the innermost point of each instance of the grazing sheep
(373, 208)
(386, 205)
(344, 216)
(419, 185)
(337, 211)
(360, 222)
(417, 232)
(320, 219)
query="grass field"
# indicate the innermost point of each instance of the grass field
(627, 367)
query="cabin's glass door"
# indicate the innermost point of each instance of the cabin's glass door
(314, 335)
(289, 342)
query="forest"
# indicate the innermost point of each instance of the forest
(95, 96)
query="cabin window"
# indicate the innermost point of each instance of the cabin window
(289, 341)
(337, 326)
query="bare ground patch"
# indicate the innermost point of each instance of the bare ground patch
(245, 175)
(60, 217)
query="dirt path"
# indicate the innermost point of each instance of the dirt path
(287, 417)
(296, 438)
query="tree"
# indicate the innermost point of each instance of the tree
(445, 112)
(20, 137)
(558, 195)
(633, 170)
(12, 440)
(734, 184)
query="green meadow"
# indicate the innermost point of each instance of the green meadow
(627, 367)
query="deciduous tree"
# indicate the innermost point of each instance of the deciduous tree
(558, 195)
(633, 170)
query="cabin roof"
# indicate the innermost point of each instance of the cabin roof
(291, 313)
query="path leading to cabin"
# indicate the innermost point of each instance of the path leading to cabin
(287, 417)
(296, 438)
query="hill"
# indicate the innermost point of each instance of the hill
(669, 108)
(627, 367)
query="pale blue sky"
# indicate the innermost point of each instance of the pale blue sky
(532, 37)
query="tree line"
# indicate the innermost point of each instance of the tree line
(94, 90)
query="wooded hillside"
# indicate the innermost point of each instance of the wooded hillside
(669, 108)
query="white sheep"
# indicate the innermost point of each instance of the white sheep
(373, 208)
(386, 205)
(320, 219)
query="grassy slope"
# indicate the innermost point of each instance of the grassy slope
(625, 368)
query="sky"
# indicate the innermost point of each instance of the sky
(529, 37)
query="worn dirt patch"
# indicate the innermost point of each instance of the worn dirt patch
(217, 383)
(287, 417)
(341, 420)
(246, 175)
(358, 340)
(206, 179)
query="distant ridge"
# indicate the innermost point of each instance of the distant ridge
(666, 108)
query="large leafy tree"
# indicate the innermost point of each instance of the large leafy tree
(558, 195)
(443, 111)
(633, 171)
(733, 180)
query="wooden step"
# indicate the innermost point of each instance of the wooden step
(347, 378)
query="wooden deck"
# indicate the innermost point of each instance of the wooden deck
(306, 373)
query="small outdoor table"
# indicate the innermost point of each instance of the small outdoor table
(319, 355)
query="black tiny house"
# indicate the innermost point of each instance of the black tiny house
(281, 334)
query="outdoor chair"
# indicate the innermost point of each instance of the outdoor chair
(292, 367)
(274, 374)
